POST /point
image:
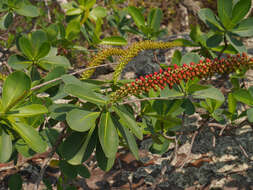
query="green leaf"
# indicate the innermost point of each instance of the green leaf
(238, 45)
(24, 149)
(83, 171)
(43, 50)
(212, 93)
(137, 15)
(171, 93)
(59, 111)
(73, 29)
(225, 11)
(160, 148)
(6, 21)
(50, 62)
(18, 62)
(240, 10)
(74, 11)
(5, 145)
(28, 111)
(195, 33)
(176, 58)
(67, 169)
(15, 88)
(15, 182)
(98, 12)
(81, 120)
(113, 40)
(127, 120)
(188, 106)
(30, 135)
(108, 135)
(244, 28)
(37, 39)
(207, 16)
(26, 47)
(80, 151)
(243, 95)
(250, 115)
(214, 40)
(155, 18)
(104, 162)
(190, 57)
(28, 10)
(231, 103)
(128, 136)
(84, 94)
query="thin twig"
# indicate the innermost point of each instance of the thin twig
(50, 156)
(74, 73)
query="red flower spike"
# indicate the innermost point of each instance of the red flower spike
(161, 71)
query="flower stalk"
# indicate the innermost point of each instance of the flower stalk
(171, 76)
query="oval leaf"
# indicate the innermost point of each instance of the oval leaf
(243, 95)
(28, 10)
(81, 120)
(108, 135)
(5, 146)
(15, 87)
(212, 93)
(240, 10)
(18, 62)
(114, 40)
(84, 94)
(28, 111)
(30, 135)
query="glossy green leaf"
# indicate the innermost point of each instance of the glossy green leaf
(104, 162)
(250, 115)
(5, 145)
(212, 93)
(127, 120)
(243, 95)
(30, 135)
(108, 135)
(137, 16)
(67, 169)
(28, 111)
(240, 10)
(231, 103)
(98, 12)
(6, 21)
(18, 62)
(244, 28)
(51, 62)
(155, 18)
(113, 40)
(28, 10)
(214, 40)
(84, 150)
(24, 149)
(84, 94)
(238, 45)
(15, 182)
(190, 57)
(207, 16)
(15, 88)
(128, 136)
(73, 29)
(83, 171)
(26, 47)
(74, 11)
(43, 50)
(225, 11)
(81, 120)
(176, 58)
